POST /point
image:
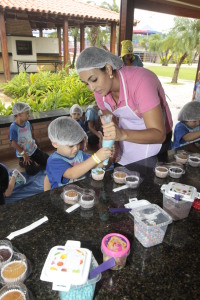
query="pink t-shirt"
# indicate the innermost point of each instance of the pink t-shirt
(144, 92)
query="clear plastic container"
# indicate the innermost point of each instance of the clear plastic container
(15, 270)
(161, 172)
(71, 194)
(117, 246)
(176, 172)
(119, 177)
(132, 181)
(6, 252)
(87, 199)
(177, 199)
(181, 158)
(98, 174)
(194, 161)
(150, 224)
(14, 292)
(85, 291)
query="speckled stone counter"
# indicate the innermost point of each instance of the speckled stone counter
(170, 270)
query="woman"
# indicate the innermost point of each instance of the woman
(135, 96)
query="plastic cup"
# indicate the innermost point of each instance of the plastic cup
(71, 197)
(119, 177)
(117, 246)
(6, 252)
(175, 172)
(14, 292)
(194, 161)
(132, 181)
(98, 174)
(15, 270)
(161, 172)
(181, 158)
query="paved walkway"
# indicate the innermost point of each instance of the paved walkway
(177, 95)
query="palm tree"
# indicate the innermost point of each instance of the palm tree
(187, 35)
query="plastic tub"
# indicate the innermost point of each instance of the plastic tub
(85, 291)
(161, 172)
(6, 252)
(115, 245)
(98, 174)
(119, 177)
(14, 292)
(194, 161)
(150, 224)
(87, 199)
(177, 199)
(132, 181)
(176, 172)
(181, 158)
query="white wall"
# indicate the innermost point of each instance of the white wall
(47, 45)
(39, 45)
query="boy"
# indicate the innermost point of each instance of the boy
(30, 156)
(76, 113)
(188, 129)
(69, 162)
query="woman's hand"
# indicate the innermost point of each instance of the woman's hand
(112, 132)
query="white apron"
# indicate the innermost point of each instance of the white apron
(131, 152)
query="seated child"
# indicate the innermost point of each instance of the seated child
(7, 184)
(187, 130)
(30, 156)
(76, 113)
(93, 125)
(69, 162)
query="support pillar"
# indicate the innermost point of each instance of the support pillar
(4, 48)
(82, 37)
(112, 37)
(65, 43)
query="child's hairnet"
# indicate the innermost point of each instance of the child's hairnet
(190, 112)
(76, 109)
(96, 58)
(65, 131)
(20, 107)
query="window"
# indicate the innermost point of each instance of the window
(24, 47)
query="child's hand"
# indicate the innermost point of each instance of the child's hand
(27, 159)
(104, 153)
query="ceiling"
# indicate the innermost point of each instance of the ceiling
(181, 8)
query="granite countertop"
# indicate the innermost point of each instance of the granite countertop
(167, 271)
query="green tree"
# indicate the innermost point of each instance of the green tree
(187, 35)
(167, 50)
(154, 45)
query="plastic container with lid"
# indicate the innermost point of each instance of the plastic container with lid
(67, 265)
(150, 224)
(178, 198)
(16, 291)
(85, 291)
(6, 252)
(117, 246)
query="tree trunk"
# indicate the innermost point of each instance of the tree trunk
(165, 62)
(178, 65)
(195, 56)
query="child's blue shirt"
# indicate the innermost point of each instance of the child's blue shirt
(23, 136)
(180, 130)
(57, 164)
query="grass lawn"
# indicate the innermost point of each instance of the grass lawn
(184, 73)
